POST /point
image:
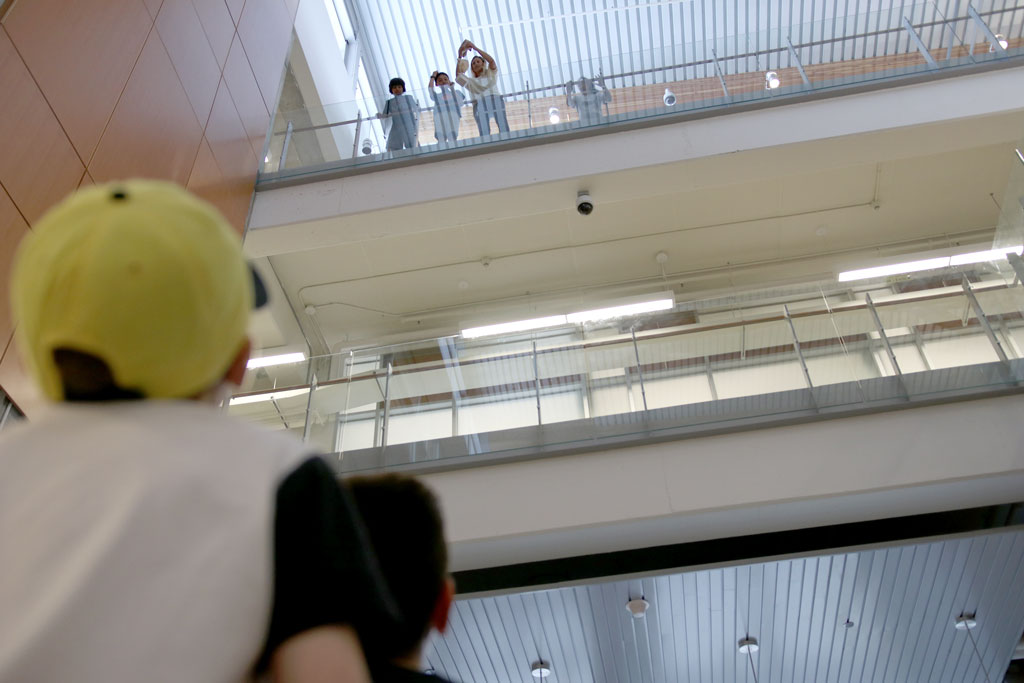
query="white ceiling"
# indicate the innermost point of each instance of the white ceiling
(901, 602)
(793, 213)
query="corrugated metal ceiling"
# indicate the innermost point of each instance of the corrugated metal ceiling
(901, 602)
(549, 42)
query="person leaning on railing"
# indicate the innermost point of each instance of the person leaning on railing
(402, 112)
(480, 77)
(590, 101)
(447, 107)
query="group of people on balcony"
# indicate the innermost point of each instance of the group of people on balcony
(479, 76)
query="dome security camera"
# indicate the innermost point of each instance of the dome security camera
(584, 204)
(669, 98)
(367, 146)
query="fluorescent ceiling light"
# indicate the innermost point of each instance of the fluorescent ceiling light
(274, 395)
(929, 264)
(267, 361)
(516, 326)
(572, 318)
(894, 269)
(983, 256)
(620, 311)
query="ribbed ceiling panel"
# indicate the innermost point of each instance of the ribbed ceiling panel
(541, 43)
(901, 602)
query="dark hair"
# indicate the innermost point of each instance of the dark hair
(441, 73)
(404, 524)
(88, 378)
(394, 82)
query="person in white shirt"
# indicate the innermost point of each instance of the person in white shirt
(480, 77)
(144, 534)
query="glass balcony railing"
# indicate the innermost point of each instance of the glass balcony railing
(609, 90)
(705, 366)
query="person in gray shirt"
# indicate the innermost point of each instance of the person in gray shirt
(447, 107)
(402, 114)
(589, 102)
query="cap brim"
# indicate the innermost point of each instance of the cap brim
(260, 298)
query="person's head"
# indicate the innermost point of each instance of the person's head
(396, 86)
(134, 289)
(404, 524)
(442, 78)
(477, 65)
(586, 85)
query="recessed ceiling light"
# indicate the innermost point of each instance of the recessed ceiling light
(965, 622)
(540, 669)
(637, 607)
(748, 646)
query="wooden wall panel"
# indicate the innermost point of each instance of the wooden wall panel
(12, 228)
(153, 6)
(245, 93)
(153, 132)
(265, 44)
(97, 90)
(81, 55)
(235, 8)
(38, 165)
(190, 52)
(218, 25)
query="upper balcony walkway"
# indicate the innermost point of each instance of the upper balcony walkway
(709, 77)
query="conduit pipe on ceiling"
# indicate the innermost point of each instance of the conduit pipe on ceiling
(625, 287)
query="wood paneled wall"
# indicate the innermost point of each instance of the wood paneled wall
(97, 90)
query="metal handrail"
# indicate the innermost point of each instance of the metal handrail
(627, 339)
(696, 63)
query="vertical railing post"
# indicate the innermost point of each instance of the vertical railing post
(359, 130)
(387, 409)
(340, 440)
(796, 60)
(799, 353)
(718, 70)
(308, 427)
(639, 369)
(536, 381)
(983, 321)
(284, 147)
(8, 407)
(1018, 266)
(885, 342)
(989, 36)
(881, 334)
(529, 107)
(919, 44)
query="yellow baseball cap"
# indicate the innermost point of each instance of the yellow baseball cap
(140, 274)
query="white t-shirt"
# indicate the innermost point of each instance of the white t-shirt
(160, 541)
(480, 86)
